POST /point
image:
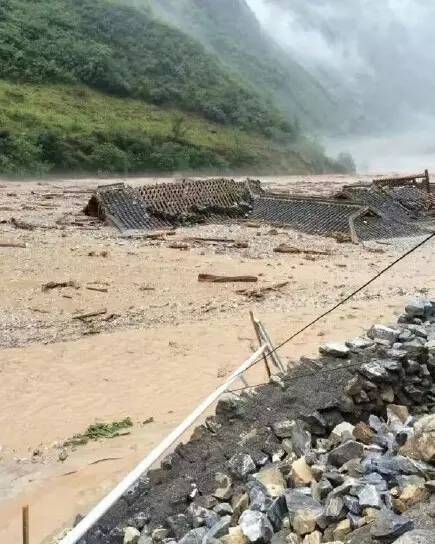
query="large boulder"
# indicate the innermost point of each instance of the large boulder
(421, 445)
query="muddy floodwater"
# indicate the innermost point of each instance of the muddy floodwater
(163, 341)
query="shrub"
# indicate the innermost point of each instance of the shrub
(20, 155)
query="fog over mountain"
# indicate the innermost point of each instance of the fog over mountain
(376, 57)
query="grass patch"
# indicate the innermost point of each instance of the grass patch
(97, 431)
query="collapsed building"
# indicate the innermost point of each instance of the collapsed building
(386, 208)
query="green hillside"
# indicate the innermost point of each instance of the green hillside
(120, 50)
(104, 86)
(230, 29)
(74, 129)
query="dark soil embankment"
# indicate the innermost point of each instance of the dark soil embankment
(292, 427)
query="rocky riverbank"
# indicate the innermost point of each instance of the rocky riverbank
(340, 449)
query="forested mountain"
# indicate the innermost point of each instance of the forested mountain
(120, 50)
(106, 85)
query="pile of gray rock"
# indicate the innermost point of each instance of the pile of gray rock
(289, 465)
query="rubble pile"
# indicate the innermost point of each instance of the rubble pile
(340, 449)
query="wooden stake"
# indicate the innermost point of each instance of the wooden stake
(90, 314)
(273, 354)
(12, 244)
(211, 278)
(258, 333)
(26, 528)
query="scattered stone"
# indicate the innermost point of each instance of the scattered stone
(387, 394)
(218, 530)
(301, 438)
(419, 308)
(283, 429)
(360, 536)
(377, 371)
(224, 491)
(179, 525)
(241, 465)
(272, 479)
(415, 348)
(352, 504)
(231, 405)
(411, 495)
(359, 343)
(342, 432)
(62, 455)
(195, 536)
(316, 422)
(201, 516)
(389, 525)
(223, 509)
(334, 508)
(369, 497)
(159, 534)
(145, 538)
(399, 411)
(345, 452)
(363, 433)
(421, 445)
(304, 522)
(293, 538)
(278, 513)
(301, 473)
(381, 332)
(313, 538)
(235, 536)
(335, 349)
(131, 535)
(259, 499)
(417, 536)
(240, 503)
(256, 526)
(300, 500)
(342, 530)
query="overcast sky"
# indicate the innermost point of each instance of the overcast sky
(384, 47)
